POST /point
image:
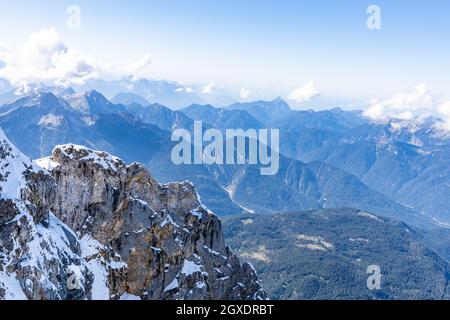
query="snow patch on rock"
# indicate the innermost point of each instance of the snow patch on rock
(51, 120)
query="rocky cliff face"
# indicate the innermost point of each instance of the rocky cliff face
(88, 226)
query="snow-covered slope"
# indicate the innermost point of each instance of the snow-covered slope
(12, 165)
(35, 247)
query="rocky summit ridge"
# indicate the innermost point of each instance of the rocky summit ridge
(82, 224)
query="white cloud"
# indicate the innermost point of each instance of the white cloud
(403, 105)
(407, 115)
(416, 104)
(305, 93)
(245, 93)
(2, 50)
(208, 89)
(45, 58)
(3, 53)
(51, 120)
(137, 68)
(184, 89)
(444, 111)
(375, 111)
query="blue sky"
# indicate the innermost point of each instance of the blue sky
(269, 47)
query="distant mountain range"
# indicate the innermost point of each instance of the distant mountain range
(136, 133)
(170, 93)
(128, 90)
(398, 168)
(408, 161)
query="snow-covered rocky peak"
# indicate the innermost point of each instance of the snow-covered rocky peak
(420, 131)
(88, 226)
(71, 152)
(91, 103)
(36, 249)
(13, 165)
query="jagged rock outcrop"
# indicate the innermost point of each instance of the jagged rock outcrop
(88, 226)
(38, 253)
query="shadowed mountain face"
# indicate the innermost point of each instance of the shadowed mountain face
(127, 98)
(408, 164)
(264, 111)
(222, 118)
(277, 113)
(306, 186)
(161, 116)
(326, 254)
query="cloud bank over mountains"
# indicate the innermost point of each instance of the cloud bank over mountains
(45, 58)
(137, 69)
(420, 102)
(244, 93)
(305, 93)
